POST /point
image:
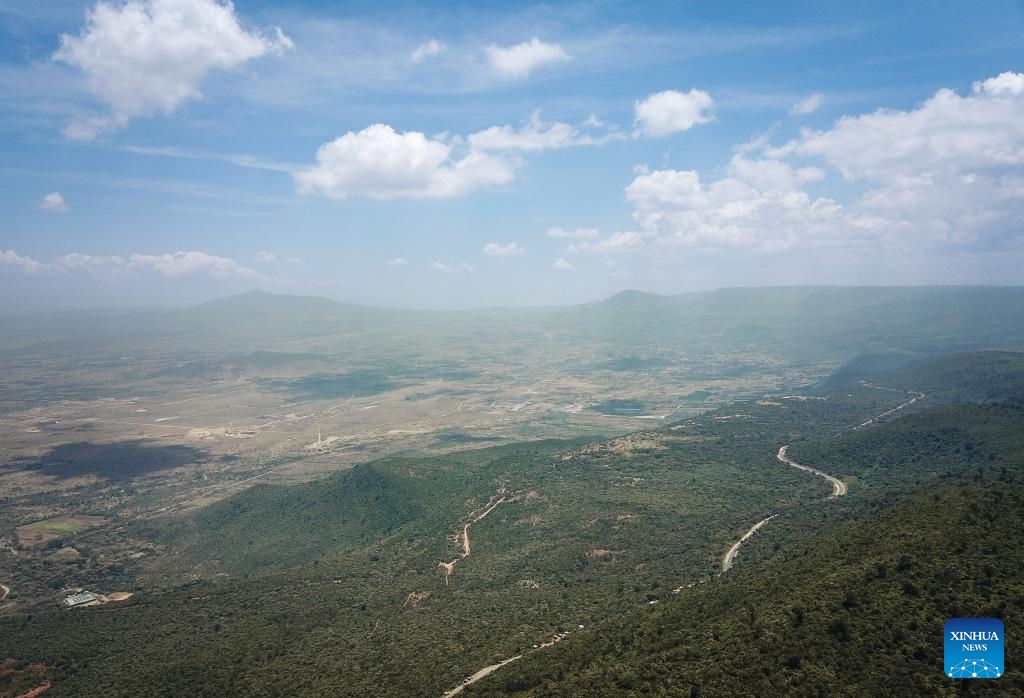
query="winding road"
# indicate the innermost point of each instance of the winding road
(449, 567)
(838, 486)
(838, 490)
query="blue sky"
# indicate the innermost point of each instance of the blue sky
(171, 151)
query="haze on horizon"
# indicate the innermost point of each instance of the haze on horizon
(534, 155)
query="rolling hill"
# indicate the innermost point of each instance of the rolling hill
(335, 587)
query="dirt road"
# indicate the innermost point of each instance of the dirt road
(917, 396)
(730, 556)
(486, 671)
(838, 486)
(449, 567)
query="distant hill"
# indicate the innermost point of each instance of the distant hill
(867, 366)
(799, 325)
(814, 323)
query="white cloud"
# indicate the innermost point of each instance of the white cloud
(182, 263)
(176, 264)
(808, 105)
(466, 266)
(264, 256)
(10, 258)
(495, 249)
(533, 135)
(398, 262)
(439, 266)
(619, 241)
(426, 50)
(577, 234)
(380, 163)
(671, 111)
(934, 180)
(89, 262)
(1003, 85)
(293, 260)
(520, 60)
(54, 202)
(757, 205)
(947, 132)
(144, 57)
(561, 263)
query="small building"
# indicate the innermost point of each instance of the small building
(79, 598)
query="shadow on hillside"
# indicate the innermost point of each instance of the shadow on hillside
(121, 460)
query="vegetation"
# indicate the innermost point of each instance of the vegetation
(334, 587)
(845, 599)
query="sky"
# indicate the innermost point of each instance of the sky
(455, 155)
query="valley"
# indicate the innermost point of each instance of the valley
(457, 534)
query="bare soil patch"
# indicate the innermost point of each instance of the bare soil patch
(39, 533)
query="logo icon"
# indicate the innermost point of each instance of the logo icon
(973, 648)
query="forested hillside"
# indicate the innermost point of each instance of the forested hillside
(403, 576)
(836, 600)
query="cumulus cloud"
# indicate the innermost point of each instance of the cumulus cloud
(947, 132)
(534, 135)
(54, 202)
(10, 258)
(89, 262)
(1006, 84)
(173, 264)
(143, 57)
(466, 266)
(264, 256)
(495, 249)
(944, 174)
(562, 264)
(671, 111)
(398, 262)
(185, 263)
(426, 50)
(757, 205)
(380, 163)
(439, 266)
(519, 60)
(808, 105)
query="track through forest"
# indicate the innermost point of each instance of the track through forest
(838, 490)
(449, 567)
(838, 486)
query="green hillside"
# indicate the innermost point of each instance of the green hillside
(836, 600)
(335, 587)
